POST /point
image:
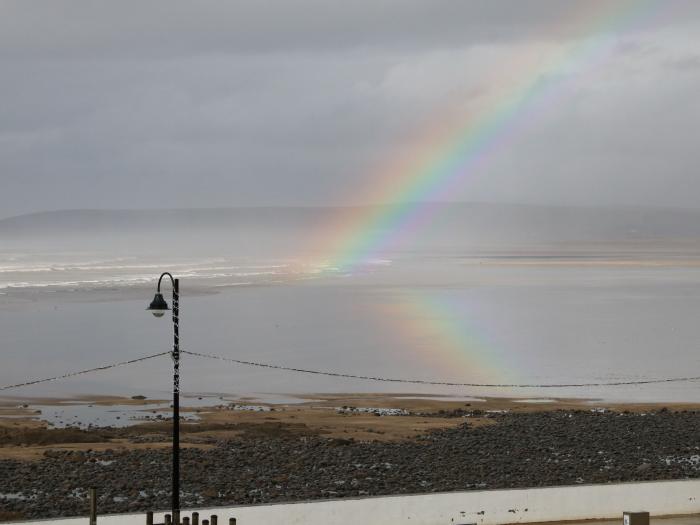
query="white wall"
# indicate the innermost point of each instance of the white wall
(482, 507)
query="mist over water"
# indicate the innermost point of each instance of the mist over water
(492, 306)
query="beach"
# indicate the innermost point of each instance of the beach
(343, 445)
(322, 383)
(265, 252)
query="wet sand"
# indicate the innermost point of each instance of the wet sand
(361, 417)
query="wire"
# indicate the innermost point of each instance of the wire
(89, 370)
(442, 383)
(355, 376)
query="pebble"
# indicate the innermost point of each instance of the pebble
(521, 450)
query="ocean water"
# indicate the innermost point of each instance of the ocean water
(485, 318)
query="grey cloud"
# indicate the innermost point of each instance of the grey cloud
(689, 62)
(131, 104)
(174, 28)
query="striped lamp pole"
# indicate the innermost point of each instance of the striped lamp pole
(158, 307)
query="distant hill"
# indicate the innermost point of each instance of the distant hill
(133, 221)
(452, 223)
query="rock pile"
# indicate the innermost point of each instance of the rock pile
(521, 450)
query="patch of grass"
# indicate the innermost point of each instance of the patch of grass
(53, 436)
(249, 430)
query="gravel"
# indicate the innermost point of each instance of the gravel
(521, 450)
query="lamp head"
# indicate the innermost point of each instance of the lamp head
(158, 306)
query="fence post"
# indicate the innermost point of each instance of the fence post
(93, 506)
(195, 518)
(185, 521)
(232, 521)
(214, 519)
(168, 519)
(149, 517)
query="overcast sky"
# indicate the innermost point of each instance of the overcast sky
(131, 104)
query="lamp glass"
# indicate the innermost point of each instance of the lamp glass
(158, 306)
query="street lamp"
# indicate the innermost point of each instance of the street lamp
(158, 307)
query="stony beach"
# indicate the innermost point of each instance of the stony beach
(285, 463)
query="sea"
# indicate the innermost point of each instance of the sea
(443, 322)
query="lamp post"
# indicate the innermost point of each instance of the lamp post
(158, 307)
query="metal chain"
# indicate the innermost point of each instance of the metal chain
(355, 376)
(89, 370)
(441, 383)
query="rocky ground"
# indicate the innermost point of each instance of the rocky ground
(520, 450)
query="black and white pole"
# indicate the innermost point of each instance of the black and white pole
(158, 307)
(176, 401)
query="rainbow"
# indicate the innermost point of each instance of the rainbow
(455, 147)
(438, 331)
(448, 151)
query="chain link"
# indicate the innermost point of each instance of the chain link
(356, 376)
(442, 383)
(81, 372)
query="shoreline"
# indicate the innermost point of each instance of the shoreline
(385, 398)
(312, 452)
(29, 427)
